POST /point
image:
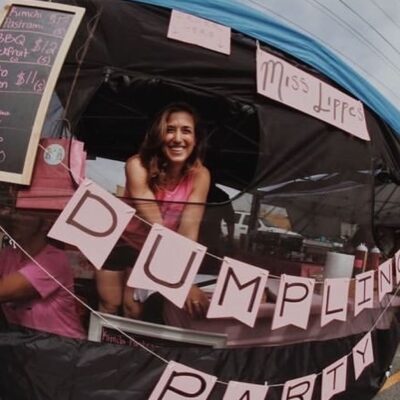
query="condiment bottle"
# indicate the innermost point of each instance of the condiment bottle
(360, 259)
(374, 258)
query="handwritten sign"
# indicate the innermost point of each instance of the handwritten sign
(201, 32)
(281, 81)
(34, 39)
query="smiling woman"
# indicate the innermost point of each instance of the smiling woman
(169, 185)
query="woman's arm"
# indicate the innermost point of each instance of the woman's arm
(16, 287)
(137, 188)
(197, 301)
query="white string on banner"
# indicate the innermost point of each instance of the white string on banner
(389, 304)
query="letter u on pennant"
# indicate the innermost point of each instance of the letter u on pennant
(167, 263)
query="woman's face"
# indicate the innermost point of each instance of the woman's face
(180, 137)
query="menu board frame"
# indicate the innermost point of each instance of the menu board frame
(77, 13)
(143, 331)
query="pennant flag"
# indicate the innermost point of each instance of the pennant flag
(385, 279)
(364, 294)
(300, 388)
(397, 266)
(181, 382)
(245, 391)
(168, 263)
(334, 379)
(363, 354)
(93, 220)
(239, 291)
(334, 301)
(294, 302)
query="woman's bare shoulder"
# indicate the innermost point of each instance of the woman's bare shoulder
(134, 169)
(201, 174)
(134, 162)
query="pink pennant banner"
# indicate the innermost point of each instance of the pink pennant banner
(242, 391)
(281, 81)
(167, 263)
(201, 32)
(334, 379)
(334, 301)
(385, 279)
(363, 354)
(294, 302)
(181, 382)
(364, 293)
(300, 388)
(396, 260)
(93, 220)
(239, 291)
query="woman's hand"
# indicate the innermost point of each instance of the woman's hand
(197, 303)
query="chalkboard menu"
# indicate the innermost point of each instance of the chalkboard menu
(34, 39)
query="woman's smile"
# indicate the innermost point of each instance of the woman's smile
(179, 138)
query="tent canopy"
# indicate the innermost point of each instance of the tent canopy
(355, 43)
(253, 142)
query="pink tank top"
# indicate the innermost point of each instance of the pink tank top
(171, 203)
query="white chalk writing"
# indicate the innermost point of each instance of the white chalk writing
(25, 13)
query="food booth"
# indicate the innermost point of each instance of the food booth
(313, 181)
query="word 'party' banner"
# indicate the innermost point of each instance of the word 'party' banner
(281, 81)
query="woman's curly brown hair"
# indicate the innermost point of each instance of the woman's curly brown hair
(151, 151)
